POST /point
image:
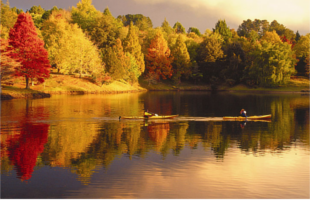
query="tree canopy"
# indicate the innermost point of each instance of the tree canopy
(29, 49)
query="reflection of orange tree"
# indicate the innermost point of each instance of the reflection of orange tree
(24, 149)
(176, 139)
(158, 133)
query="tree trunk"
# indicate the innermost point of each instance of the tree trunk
(27, 82)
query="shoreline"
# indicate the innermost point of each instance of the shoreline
(35, 94)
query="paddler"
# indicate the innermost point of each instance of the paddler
(243, 113)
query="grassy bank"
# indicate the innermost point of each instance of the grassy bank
(62, 84)
(65, 84)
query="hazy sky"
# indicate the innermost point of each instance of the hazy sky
(202, 14)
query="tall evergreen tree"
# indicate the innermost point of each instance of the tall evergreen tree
(222, 29)
(181, 63)
(297, 36)
(178, 28)
(166, 27)
(117, 63)
(132, 45)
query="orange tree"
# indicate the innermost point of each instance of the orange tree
(158, 58)
(28, 48)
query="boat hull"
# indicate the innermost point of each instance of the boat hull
(151, 117)
(239, 118)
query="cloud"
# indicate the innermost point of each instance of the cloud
(293, 14)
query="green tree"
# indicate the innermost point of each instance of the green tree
(194, 30)
(132, 45)
(36, 10)
(222, 29)
(107, 12)
(142, 22)
(234, 63)
(302, 52)
(133, 69)
(84, 14)
(297, 36)
(104, 31)
(273, 63)
(181, 63)
(117, 63)
(166, 27)
(178, 28)
(210, 51)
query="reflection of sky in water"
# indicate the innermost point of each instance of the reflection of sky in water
(192, 174)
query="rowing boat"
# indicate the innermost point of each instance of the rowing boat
(255, 117)
(151, 117)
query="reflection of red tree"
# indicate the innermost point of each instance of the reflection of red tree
(158, 133)
(24, 149)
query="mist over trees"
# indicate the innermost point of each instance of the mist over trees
(89, 42)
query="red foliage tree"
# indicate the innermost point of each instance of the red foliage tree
(28, 48)
(24, 149)
(284, 39)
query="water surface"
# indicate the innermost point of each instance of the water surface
(76, 147)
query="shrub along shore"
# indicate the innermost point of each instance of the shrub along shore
(62, 84)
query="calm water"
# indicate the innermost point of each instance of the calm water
(75, 147)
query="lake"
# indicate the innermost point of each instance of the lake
(76, 146)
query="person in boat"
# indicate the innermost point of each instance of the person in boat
(148, 114)
(243, 113)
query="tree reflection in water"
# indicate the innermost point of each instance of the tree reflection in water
(23, 149)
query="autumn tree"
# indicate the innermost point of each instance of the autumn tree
(271, 37)
(132, 46)
(8, 19)
(181, 63)
(8, 64)
(28, 48)
(159, 59)
(69, 48)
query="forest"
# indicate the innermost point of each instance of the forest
(91, 43)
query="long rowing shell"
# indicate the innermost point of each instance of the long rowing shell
(255, 117)
(151, 117)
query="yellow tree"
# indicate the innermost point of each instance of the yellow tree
(7, 63)
(68, 47)
(272, 37)
(159, 59)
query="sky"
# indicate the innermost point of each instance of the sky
(202, 14)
